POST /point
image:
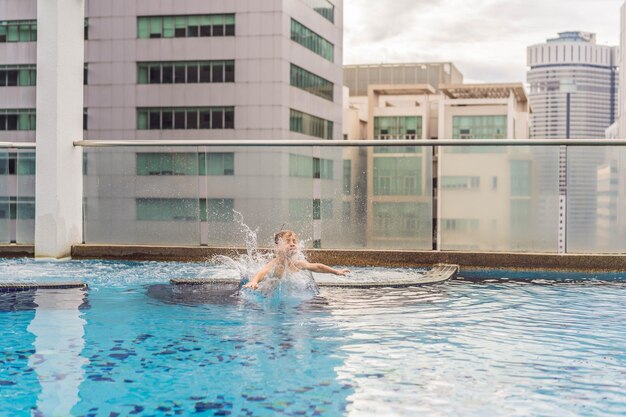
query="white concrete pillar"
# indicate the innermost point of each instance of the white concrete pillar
(59, 180)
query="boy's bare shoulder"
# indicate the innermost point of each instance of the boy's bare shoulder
(301, 263)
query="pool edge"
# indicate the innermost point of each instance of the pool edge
(367, 257)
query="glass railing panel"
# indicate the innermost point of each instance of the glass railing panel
(333, 188)
(5, 198)
(596, 199)
(499, 199)
(25, 201)
(141, 195)
(260, 190)
(384, 198)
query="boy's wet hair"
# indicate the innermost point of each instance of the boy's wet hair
(278, 236)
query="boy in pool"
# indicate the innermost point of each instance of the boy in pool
(285, 261)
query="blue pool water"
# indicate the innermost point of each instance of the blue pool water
(491, 344)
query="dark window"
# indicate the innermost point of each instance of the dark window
(192, 31)
(229, 119)
(205, 73)
(167, 119)
(217, 119)
(179, 74)
(218, 30)
(3, 122)
(3, 78)
(205, 119)
(218, 73)
(155, 75)
(205, 30)
(12, 165)
(12, 77)
(192, 74)
(229, 73)
(230, 30)
(12, 122)
(180, 32)
(168, 74)
(179, 120)
(155, 120)
(192, 119)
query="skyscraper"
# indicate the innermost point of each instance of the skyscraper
(266, 69)
(573, 87)
(573, 95)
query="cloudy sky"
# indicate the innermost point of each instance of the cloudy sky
(485, 39)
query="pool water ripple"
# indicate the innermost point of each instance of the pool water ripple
(490, 344)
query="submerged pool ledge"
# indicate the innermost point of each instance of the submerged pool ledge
(367, 257)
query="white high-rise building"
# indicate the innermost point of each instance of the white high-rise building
(573, 87)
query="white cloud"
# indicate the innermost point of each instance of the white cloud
(485, 39)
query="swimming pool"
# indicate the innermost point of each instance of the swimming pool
(545, 344)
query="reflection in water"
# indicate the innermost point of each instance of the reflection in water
(59, 330)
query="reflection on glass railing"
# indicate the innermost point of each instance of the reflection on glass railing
(596, 200)
(333, 197)
(505, 200)
(58, 329)
(17, 196)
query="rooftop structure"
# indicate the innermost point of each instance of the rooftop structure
(483, 91)
(358, 77)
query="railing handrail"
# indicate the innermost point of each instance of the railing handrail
(352, 143)
(331, 143)
(17, 145)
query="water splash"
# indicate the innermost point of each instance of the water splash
(290, 282)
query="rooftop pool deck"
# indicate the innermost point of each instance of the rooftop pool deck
(487, 343)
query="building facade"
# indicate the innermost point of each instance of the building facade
(573, 87)
(268, 70)
(403, 182)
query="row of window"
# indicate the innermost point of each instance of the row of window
(185, 209)
(308, 124)
(220, 209)
(401, 219)
(479, 127)
(307, 167)
(460, 182)
(397, 127)
(25, 31)
(398, 176)
(17, 208)
(323, 7)
(305, 209)
(311, 40)
(211, 163)
(186, 118)
(18, 119)
(186, 72)
(18, 75)
(22, 163)
(191, 26)
(311, 83)
(147, 118)
(18, 31)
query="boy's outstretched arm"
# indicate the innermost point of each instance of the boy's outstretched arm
(325, 269)
(260, 276)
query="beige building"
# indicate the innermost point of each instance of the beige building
(400, 182)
